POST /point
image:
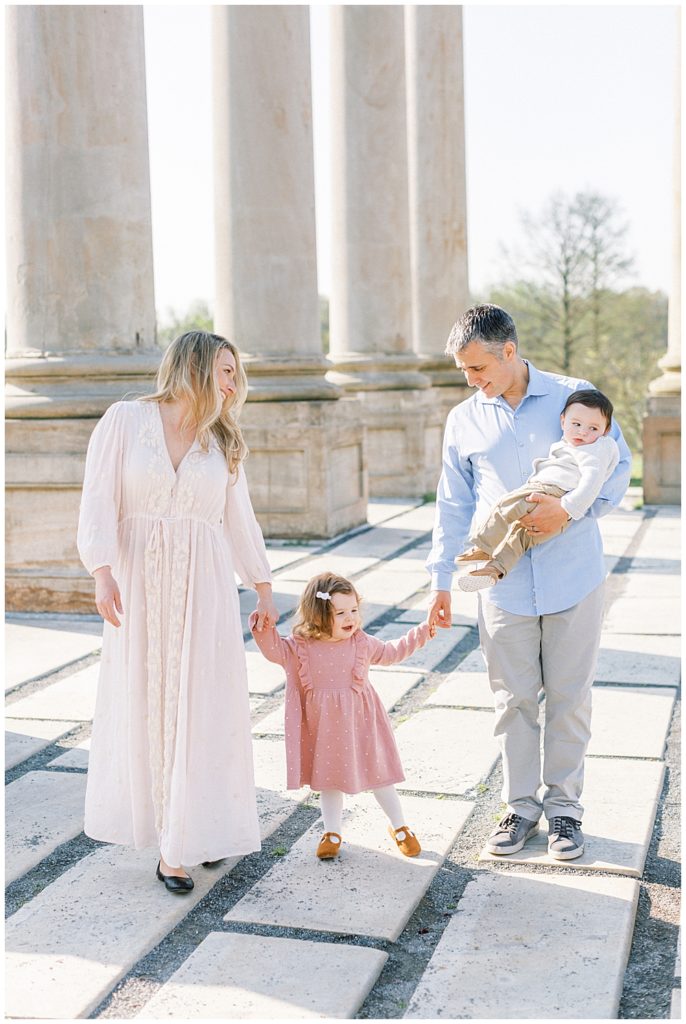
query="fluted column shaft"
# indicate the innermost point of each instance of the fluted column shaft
(438, 215)
(266, 261)
(370, 313)
(80, 273)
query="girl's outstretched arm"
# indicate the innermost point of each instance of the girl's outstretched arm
(393, 651)
(270, 643)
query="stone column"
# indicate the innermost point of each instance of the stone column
(307, 465)
(662, 422)
(81, 315)
(438, 203)
(371, 292)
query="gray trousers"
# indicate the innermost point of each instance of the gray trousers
(557, 653)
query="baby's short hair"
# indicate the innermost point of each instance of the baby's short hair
(592, 399)
(314, 617)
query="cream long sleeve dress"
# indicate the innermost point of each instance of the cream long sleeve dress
(171, 755)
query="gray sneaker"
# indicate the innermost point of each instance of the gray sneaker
(565, 838)
(511, 834)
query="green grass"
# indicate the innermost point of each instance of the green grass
(636, 470)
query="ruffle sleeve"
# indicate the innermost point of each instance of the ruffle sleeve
(394, 651)
(97, 537)
(243, 534)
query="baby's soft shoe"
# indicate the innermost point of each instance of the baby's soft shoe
(406, 840)
(473, 555)
(329, 846)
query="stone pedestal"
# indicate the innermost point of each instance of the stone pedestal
(662, 422)
(81, 314)
(371, 296)
(266, 275)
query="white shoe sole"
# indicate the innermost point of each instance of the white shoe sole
(499, 852)
(569, 855)
(470, 583)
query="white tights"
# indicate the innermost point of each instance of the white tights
(331, 801)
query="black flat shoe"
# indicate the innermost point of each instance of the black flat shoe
(174, 884)
(212, 863)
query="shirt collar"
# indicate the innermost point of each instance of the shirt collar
(538, 385)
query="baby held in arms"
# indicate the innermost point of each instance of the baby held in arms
(574, 470)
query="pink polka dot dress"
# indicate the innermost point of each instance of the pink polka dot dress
(338, 733)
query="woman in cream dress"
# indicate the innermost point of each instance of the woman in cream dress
(165, 520)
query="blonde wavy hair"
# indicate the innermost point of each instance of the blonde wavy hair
(314, 618)
(187, 372)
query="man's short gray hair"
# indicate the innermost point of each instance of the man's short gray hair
(489, 325)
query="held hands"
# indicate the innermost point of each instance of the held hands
(439, 613)
(107, 596)
(267, 612)
(548, 516)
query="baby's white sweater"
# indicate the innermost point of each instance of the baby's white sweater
(580, 470)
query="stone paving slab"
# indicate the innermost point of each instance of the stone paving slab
(42, 810)
(69, 946)
(431, 654)
(73, 757)
(370, 889)
(249, 977)
(32, 650)
(381, 590)
(446, 751)
(71, 698)
(648, 585)
(559, 962)
(639, 659)
(659, 615)
(630, 721)
(381, 509)
(25, 737)
(616, 841)
(390, 686)
(264, 677)
(464, 690)
(275, 803)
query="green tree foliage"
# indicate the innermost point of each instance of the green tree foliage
(197, 317)
(568, 292)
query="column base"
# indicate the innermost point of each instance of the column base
(662, 451)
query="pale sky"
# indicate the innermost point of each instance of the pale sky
(556, 98)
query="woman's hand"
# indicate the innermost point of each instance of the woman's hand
(107, 596)
(267, 612)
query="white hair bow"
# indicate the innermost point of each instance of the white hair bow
(324, 594)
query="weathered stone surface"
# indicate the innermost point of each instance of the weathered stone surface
(42, 810)
(464, 690)
(346, 895)
(24, 738)
(68, 947)
(72, 698)
(431, 654)
(659, 615)
(264, 676)
(73, 757)
(468, 975)
(616, 841)
(32, 651)
(252, 977)
(639, 659)
(381, 590)
(274, 802)
(630, 722)
(446, 751)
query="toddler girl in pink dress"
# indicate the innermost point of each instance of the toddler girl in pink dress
(339, 737)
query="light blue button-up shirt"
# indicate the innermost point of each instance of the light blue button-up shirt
(489, 449)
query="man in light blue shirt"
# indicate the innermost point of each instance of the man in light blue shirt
(540, 625)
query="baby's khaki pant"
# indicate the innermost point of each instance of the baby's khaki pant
(503, 537)
(557, 653)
